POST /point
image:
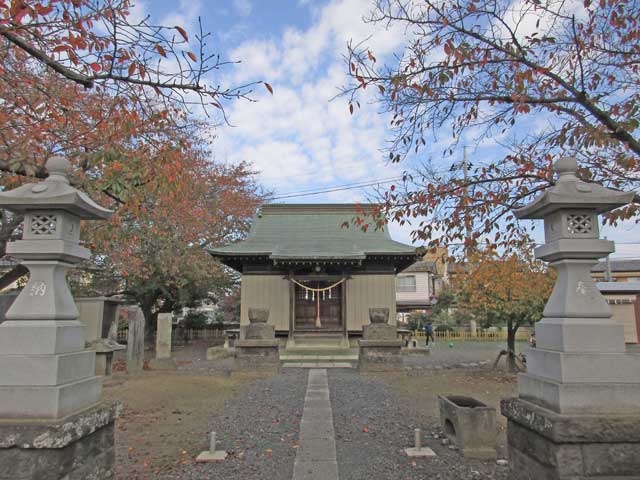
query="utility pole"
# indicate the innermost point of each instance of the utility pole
(607, 272)
(468, 224)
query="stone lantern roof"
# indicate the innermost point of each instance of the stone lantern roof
(55, 193)
(570, 192)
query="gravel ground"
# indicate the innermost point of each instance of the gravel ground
(373, 427)
(460, 354)
(259, 429)
(191, 359)
(258, 423)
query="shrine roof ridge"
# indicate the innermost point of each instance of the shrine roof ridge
(313, 231)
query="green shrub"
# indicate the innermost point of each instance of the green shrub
(444, 328)
(195, 320)
(417, 320)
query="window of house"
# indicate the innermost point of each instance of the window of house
(406, 283)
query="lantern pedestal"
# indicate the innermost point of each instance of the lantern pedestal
(577, 415)
(380, 349)
(52, 424)
(257, 355)
(380, 355)
(579, 365)
(45, 370)
(79, 446)
(544, 444)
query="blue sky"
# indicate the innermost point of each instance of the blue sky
(299, 138)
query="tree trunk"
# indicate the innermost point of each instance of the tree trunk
(13, 275)
(149, 317)
(511, 345)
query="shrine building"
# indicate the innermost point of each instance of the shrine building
(316, 276)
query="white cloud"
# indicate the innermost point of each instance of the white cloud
(185, 16)
(298, 138)
(138, 12)
(258, 60)
(243, 7)
(524, 18)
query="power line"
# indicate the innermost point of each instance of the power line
(330, 190)
(346, 185)
(342, 187)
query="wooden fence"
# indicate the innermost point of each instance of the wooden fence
(182, 334)
(481, 336)
(189, 334)
(199, 333)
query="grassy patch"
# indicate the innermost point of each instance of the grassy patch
(165, 419)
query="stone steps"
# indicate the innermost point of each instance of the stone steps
(319, 365)
(344, 359)
(291, 357)
(319, 340)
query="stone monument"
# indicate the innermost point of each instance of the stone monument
(380, 347)
(52, 424)
(98, 315)
(163, 335)
(259, 350)
(163, 360)
(578, 411)
(135, 341)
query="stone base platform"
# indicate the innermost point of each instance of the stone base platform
(217, 353)
(257, 355)
(77, 447)
(553, 446)
(208, 457)
(416, 351)
(163, 364)
(380, 355)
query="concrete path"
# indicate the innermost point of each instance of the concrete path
(316, 456)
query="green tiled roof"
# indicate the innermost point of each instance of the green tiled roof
(307, 231)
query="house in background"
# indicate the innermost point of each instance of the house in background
(418, 286)
(627, 270)
(624, 299)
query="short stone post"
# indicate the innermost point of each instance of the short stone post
(578, 411)
(380, 348)
(135, 342)
(418, 450)
(52, 424)
(473, 328)
(259, 350)
(212, 455)
(163, 360)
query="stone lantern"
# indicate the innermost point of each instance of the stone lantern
(581, 387)
(46, 374)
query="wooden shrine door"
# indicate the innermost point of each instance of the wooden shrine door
(318, 311)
